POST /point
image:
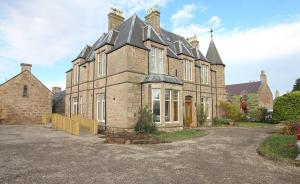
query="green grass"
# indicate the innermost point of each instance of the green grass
(253, 124)
(179, 135)
(279, 147)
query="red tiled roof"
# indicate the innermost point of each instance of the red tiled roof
(236, 89)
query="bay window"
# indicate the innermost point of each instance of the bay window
(156, 62)
(175, 105)
(167, 105)
(156, 104)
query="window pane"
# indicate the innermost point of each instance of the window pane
(152, 60)
(167, 105)
(156, 104)
(161, 61)
(175, 105)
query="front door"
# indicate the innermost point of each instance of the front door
(188, 111)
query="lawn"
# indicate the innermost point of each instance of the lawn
(279, 147)
(179, 135)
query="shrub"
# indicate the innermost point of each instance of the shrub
(258, 114)
(201, 115)
(287, 107)
(145, 122)
(220, 121)
(297, 85)
(290, 128)
(230, 111)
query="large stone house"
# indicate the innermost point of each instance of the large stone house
(137, 63)
(256, 94)
(24, 99)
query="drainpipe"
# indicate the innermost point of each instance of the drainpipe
(70, 99)
(93, 95)
(105, 123)
(78, 82)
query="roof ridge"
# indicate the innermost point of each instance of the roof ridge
(243, 83)
(131, 28)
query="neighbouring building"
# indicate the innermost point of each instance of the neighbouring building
(58, 102)
(256, 94)
(24, 99)
(137, 63)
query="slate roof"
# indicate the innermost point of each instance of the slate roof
(57, 97)
(157, 78)
(135, 32)
(237, 89)
(213, 55)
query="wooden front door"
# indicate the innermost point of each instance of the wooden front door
(188, 111)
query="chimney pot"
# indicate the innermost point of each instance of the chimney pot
(153, 18)
(193, 41)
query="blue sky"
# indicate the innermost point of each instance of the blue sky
(251, 35)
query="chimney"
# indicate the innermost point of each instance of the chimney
(115, 18)
(193, 41)
(263, 77)
(25, 66)
(56, 90)
(153, 18)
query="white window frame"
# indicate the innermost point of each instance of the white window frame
(75, 74)
(156, 63)
(204, 74)
(188, 70)
(159, 100)
(100, 101)
(170, 105)
(74, 105)
(206, 101)
(173, 100)
(101, 60)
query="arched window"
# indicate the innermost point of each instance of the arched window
(25, 90)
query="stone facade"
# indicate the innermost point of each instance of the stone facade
(258, 93)
(125, 90)
(24, 99)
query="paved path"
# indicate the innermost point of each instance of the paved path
(33, 154)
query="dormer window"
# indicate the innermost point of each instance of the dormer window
(25, 90)
(156, 60)
(101, 60)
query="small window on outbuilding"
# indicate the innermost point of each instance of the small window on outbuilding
(25, 90)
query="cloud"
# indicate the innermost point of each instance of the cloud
(183, 14)
(43, 32)
(215, 22)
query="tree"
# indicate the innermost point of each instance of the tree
(297, 85)
(201, 115)
(287, 107)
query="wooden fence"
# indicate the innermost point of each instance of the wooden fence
(70, 125)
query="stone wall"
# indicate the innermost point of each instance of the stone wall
(21, 109)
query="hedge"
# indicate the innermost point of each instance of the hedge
(287, 107)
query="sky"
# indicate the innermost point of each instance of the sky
(250, 35)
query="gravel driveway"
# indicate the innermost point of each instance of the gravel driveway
(33, 154)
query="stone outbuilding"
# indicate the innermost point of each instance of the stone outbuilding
(258, 93)
(24, 99)
(58, 103)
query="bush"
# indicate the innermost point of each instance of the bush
(258, 114)
(220, 121)
(201, 115)
(230, 111)
(290, 128)
(287, 107)
(145, 122)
